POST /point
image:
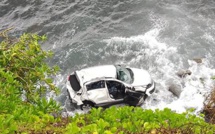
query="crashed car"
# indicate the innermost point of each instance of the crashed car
(109, 84)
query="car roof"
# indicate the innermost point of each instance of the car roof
(96, 72)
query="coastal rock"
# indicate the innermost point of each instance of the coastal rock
(198, 60)
(183, 73)
(175, 89)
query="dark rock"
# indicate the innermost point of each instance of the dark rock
(183, 73)
(175, 89)
(198, 60)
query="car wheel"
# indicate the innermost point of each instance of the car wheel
(87, 106)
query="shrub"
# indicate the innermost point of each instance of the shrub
(25, 78)
(136, 120)
(22, 60)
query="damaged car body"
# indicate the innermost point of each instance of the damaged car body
(109, 84)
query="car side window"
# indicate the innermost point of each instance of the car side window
(95, 85)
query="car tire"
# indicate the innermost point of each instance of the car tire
(87, 106)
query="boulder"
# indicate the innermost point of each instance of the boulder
(183, 73)
(175, 89)
(198, 60)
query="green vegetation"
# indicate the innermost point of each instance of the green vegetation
(25, 78)
(135, 120)
(24, 81)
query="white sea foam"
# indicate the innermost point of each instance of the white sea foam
(208, 37)
(148, 39)
(195, 89)
(157, 55)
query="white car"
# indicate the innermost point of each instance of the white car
(109, 84)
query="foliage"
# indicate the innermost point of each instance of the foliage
(22, 60)
(136, 120)
(25, 78)
(25, 118)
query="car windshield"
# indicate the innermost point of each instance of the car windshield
(124, 74)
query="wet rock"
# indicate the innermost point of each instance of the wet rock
(174, 86)
(198, 60)
(175, 89)
(183, 73)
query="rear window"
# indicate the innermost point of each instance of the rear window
(95, 85)
(74, 83)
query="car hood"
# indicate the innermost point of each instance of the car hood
(141, 77)
(90, 73)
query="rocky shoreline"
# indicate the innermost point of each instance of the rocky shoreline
(176, 88)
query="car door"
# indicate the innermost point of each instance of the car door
(116, 90)
(97, 92)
